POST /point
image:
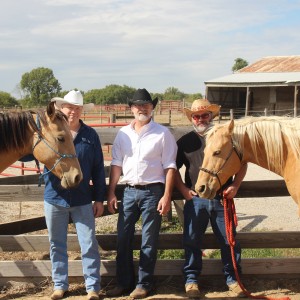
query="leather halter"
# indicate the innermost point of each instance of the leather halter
(42, 139)
(215, 174)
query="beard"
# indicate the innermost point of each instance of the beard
(142, 117)
(202, 127)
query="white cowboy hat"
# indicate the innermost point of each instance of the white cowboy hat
(74, 98)
(200, 106)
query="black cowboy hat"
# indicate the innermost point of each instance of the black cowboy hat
(142, 96)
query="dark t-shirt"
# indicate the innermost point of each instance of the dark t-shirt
(190, 154)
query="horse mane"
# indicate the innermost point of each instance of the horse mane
(15, 127)
(269, 131)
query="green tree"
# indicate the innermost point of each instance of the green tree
(6, 100)
(173, 93)
(39, 86)
(111, 94)
(239, 63)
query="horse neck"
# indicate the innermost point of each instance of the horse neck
(258, 156)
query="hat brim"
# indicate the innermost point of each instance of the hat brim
(213, 108)
(59, 101)
(141, 102)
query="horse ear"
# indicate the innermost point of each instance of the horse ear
(230, 127)
(51, 110)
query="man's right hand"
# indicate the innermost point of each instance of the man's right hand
(112, 203)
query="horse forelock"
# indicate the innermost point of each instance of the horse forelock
(270, 132)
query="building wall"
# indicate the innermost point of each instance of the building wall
(277, 100)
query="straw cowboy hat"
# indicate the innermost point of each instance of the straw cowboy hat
(142, 96)
(74, 98)
(200, 106)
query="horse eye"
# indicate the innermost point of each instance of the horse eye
(217, 152)
(61, 139)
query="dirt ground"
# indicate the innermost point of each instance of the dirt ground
(167, 288)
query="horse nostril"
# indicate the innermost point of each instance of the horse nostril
(77, 179)
(202, 188)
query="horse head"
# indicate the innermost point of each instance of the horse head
(53, 146)
(220, 162)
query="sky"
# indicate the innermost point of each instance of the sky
(152, 44)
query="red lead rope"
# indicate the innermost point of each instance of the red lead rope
(230, 223)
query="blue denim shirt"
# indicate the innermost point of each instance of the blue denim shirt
(89, 152)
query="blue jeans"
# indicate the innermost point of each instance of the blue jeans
(197, 213)
(136, 203)
(57, 219)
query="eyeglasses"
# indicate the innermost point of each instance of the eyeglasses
(203, 116)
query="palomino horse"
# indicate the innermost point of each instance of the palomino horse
(47, 136)
(270, 142)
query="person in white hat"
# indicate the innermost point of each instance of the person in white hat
(60, 204)
(198, 212)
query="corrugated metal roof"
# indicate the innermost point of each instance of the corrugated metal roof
(274, 64)
(260, 79)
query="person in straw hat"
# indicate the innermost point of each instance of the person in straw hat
(60, 204)
(198, 212)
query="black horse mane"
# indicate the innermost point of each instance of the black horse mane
(14, 133)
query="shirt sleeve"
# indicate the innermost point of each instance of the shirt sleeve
(117, 157)
(169, 151)
(98, 171)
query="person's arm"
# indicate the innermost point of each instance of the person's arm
(182, 188)
(112, 201)
(232, 189)
(164, 204)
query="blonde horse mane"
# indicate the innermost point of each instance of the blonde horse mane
(270, 131)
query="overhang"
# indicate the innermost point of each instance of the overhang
(256, 80)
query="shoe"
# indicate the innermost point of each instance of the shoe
(192, 290)
(92, 295)
(116, 291)
(236, 290)
(139, 293)
(57, 294)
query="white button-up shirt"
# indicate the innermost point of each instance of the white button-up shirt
(144, 156)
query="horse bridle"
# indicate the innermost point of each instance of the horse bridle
(215, 174)
(42, 139)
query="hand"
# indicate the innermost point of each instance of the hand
(189, 195)
(98, 209)
(112, 204)
(230, 192)
(164, 206)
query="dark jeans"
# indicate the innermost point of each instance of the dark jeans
(197, 213)
(137, 202)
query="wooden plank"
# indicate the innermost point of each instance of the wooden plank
(262, 188)
(248, 189)
(23, 226)
(163, 267)
(21, 180)
(251, 240)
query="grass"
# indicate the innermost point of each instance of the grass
(262, 253)
(174, 226)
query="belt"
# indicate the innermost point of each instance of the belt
(143, 186)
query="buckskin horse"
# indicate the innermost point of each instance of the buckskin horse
(270, 142)
(46, 135)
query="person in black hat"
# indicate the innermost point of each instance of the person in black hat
(145, 153)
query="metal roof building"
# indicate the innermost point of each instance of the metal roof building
(269, 85)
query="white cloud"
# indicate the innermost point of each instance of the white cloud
(154, 44)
